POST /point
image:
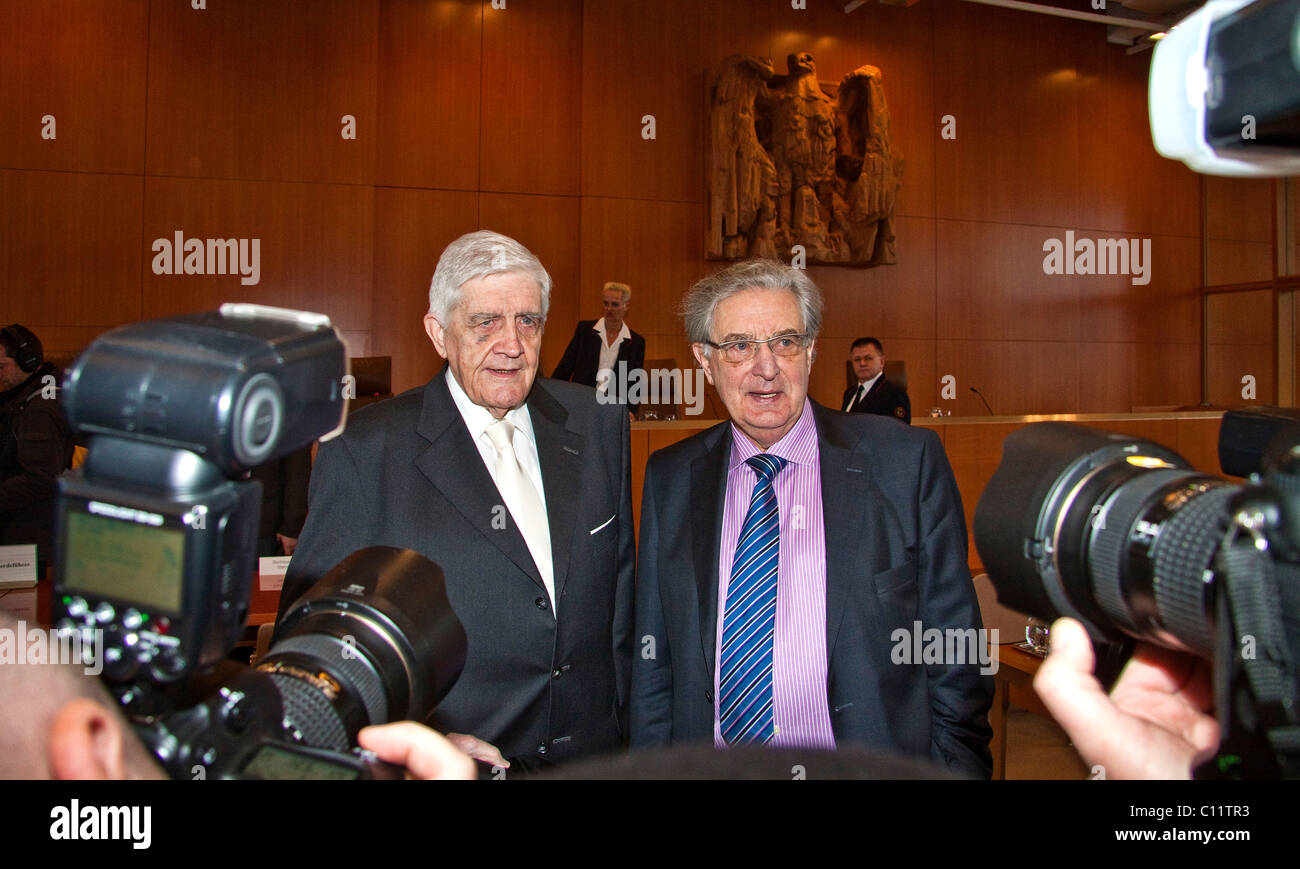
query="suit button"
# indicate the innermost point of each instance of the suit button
(555, 674)
(708, 695)
(541, 603)
(542, 749)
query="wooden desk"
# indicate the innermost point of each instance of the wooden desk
(1016, 669)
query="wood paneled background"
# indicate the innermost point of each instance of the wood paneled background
(225, 122)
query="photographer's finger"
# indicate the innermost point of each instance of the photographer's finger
(425, 753)
(478, 749)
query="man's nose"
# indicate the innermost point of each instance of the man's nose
(765, 364)
(509, 342)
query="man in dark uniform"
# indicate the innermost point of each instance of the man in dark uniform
(873, 392)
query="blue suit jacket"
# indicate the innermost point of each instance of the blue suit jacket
(895, 554)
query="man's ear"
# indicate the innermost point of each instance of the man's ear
(812, 351)
(698, 351)
(87, 742)
(435, 331)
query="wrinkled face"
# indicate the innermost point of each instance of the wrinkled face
(10, 374)
(494, 339)
(615, 307)
(764, 395)
(867, 362)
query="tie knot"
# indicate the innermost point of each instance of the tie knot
(501, 432)
(766, 465)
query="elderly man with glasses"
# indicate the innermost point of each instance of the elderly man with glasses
(788, 556)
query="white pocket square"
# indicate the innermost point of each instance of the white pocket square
(603, 524)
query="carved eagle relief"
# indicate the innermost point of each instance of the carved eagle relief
(792, 165)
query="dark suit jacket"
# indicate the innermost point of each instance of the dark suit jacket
(406, 473)
(581, 358)
(895, 554)
(885, 398)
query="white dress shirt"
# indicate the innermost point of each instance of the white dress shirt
(477, 419)
(863, 389)
(608, 352)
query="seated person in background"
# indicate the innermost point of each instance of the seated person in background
(598, 346)
(874, 393)
(35, 442)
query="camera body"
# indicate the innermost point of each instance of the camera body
(157, 533)
(1126, 537)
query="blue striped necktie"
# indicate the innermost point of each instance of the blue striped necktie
(745, 690)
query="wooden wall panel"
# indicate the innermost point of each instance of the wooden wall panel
(532, 90)
(546, 225)
(1167, 309)
(245, 89)
(1015, 376)
(657, 248)
(1239, 318)
(316, 245)
(429, 71)
(991, 284)
(1228, 364)
(411, 229)
(1117, 158)
(1239, 208)
(70, 248)
(83, 63)
(1000, 167)
(897, 300)
(643, 59)
(897, 40)
(1237, 262)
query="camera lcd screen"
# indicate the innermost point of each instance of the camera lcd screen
(125, 560)
(275, 762)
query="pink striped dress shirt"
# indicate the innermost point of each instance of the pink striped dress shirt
(799, 701)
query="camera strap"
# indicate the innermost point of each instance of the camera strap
(1253, 642)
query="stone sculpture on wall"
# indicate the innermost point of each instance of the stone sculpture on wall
(791, 165)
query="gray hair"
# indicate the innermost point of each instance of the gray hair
(621, 287)
(703, 299)
(478, 255)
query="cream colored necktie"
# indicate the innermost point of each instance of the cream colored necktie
(523, 502)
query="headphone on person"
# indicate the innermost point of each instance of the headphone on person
(26, 349)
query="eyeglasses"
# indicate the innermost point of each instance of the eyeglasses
(743, 351)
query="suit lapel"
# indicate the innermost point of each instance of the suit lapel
(709, 495)
(559, 452)
(846, 481)
(453, 464)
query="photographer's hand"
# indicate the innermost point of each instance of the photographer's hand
(425, 753)
(1154, 723)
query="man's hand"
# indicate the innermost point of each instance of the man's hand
(1153, 724)
(425, 753)
(288, 544)
(478, 749)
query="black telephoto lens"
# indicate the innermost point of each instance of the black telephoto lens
(1115, 531)
(374, 641)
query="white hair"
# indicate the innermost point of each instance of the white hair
(478, 255)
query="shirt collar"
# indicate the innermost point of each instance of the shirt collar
(478, 418)
(799, 446)
(872, 382)
(624, 334)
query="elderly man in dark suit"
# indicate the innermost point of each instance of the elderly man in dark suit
(767, 611)
(600, 350)
(519, 488)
